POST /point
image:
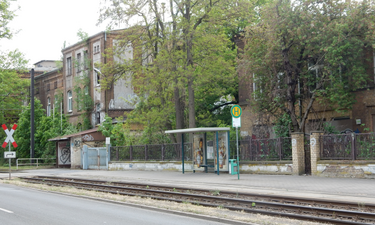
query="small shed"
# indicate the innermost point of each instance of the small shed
(204, 155)
(69, 147)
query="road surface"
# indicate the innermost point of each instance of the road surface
(27, 206)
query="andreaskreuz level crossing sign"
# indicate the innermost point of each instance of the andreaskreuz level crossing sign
(236, 111)
(9, 136)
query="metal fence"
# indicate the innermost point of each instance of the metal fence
(348, 146)
(164, 152)
(250, 150)
(273, 149)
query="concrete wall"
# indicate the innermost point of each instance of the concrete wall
(149, 166)
(256, 168)
(271, 167)
(76, 145)
(345, 168)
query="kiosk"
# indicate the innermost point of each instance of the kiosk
(201, 154)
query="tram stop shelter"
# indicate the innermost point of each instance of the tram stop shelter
(205, 154)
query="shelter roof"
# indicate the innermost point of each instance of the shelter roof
(196, 130)
(66, 137)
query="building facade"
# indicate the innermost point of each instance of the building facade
(360, 118)
(83, 94)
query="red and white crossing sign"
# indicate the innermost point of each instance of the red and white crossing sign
(9, 136)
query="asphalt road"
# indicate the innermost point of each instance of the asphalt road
(26, 206)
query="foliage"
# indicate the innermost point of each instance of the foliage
(121, 136)
(181, 56)
(328, 128)
(13, 89)
(282, 126)
(7, 15)
(50, 127)
(308, 51)
(45, 128)
(22, 136)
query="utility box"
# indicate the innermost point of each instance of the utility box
(233, 167)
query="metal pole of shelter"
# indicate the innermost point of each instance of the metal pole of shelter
(182, 150)
(205, 152)
(217, 152)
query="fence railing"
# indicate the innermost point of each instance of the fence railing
(348, 146)
(35, 162)
(250, 150)
(273, 149)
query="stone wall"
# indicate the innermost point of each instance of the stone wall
(345, 168)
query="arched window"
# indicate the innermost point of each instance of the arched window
(70, 101)
(48, 106)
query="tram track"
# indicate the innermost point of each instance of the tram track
(335, 212)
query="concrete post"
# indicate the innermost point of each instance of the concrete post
(315, 150)
(298, 153)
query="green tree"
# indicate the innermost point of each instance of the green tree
(176, 57)
(22, 134)
(306, 51)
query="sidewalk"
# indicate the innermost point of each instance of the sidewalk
(343, 189)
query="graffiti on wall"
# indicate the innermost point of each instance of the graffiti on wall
(77, 143)
(64, 152)
(87, 137)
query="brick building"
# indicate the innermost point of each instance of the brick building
(361, 118)
(82, 75)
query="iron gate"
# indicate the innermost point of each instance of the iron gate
(95, 158)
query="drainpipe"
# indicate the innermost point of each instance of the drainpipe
(105, 62)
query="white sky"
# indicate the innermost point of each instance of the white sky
(44, 25)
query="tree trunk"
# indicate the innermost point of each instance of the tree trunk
(191, 105)
(179, 111)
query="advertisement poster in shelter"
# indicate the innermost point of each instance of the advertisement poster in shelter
(198, 151)
(223, 152)
(63, 153)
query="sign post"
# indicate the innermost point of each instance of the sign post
(236, 112)
(9, 154)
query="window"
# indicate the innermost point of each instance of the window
(79, 62)
(98, 113)
(86, 60)
(97, 78)
(86, 90)
(69, 66)
(48, 87)
(48, 106)
(55, 84)
(70, 101)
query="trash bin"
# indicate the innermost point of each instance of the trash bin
(233, 167)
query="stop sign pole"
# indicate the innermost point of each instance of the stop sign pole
(10, 139)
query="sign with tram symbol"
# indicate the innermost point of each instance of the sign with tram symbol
(236, 111)
(9, 136)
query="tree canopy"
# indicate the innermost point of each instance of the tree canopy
(182, 49)
(306, 51)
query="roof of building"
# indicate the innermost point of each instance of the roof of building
(66, 137)
(46, 61)
(90, 37)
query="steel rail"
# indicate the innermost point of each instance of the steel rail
(269, 208)
(242, 195)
